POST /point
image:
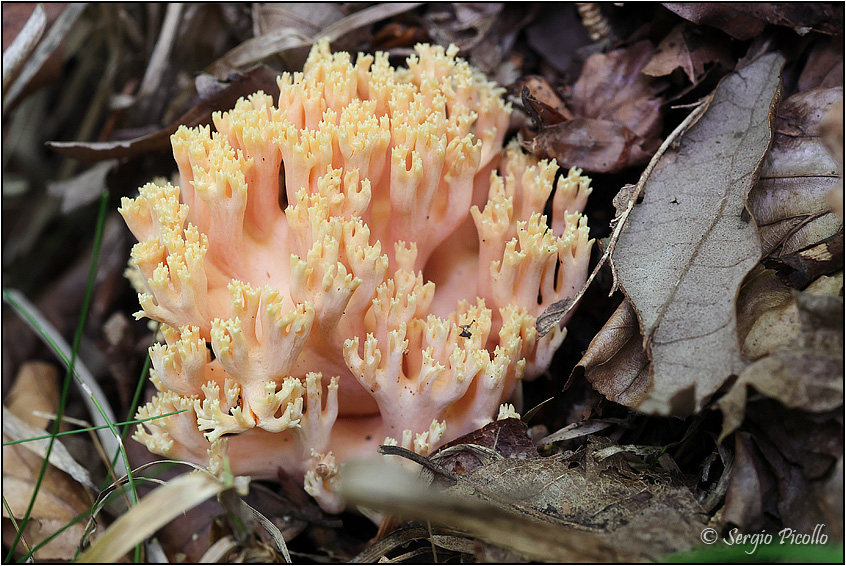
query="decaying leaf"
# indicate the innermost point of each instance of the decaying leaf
(687, 247)
(824, 67)
(747, 20)
(221, 98)
(617, 119)
(689, 49)
(611, 503)
(82, 189)
(615, 362)
(770, 487)
(154, 511)
(767, 315)
(282, 39)
(789, 201)
(24, 42)
(805, 372)
(802, 267)
(60, 497)
(542, 102)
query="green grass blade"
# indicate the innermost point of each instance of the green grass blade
(17, 301)
(126, 424)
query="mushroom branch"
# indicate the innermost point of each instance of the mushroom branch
(361, 263)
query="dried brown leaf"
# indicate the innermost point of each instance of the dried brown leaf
(615, 362)
(805, 372)
(381, 486)
(687, 247)
(612, 87)
(789, 202)
(752, 491)
(154, 511)
(687, 48)
(24, 42)
(60, 497)
(41, 54)
(747, 20)
(604, 495)
(609, 502)
(543, 104)
(800, 268)
(222, 96)
(617, 115)
(766, 314)
(769, 490)
(506, 438)
(824, 67)
(283, 39)
(307, 17)
(558, 35)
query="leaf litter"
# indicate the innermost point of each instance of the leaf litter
(695, 198)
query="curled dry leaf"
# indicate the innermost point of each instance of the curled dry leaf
(689, 49)
(766, 314)
(772, 486)
(615, 362)
(217, 95)
(804, 372)
(687, 246)
(60, 497)
(154, 511)
(542, 102)
(505, 438)
(617, 119)
(789, 202)
(84, 188)
(824, 67)
(747, 20)
(802, 267)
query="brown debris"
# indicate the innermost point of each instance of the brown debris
(617, 119)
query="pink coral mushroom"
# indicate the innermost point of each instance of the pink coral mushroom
(365, 261)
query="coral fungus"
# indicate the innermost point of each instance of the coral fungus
(364, 260)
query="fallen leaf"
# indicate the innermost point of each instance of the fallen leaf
(610, 502)
(824, 67)
(802, 267)
(745, 21)
(767, 315)
(505, 438)
(84, 188)
(221, 97)
(615, 362)
(805, 372)
(789, 202)
(155, 510)
(689, 49)
(60, 497)
(26, 37)
(16, 429)
(798, 454)
(389, 488)
(282, 39)
(752, 492)
(543, 104)
(39, 57)
(617, 119)
(687, 246)
(768, 491)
